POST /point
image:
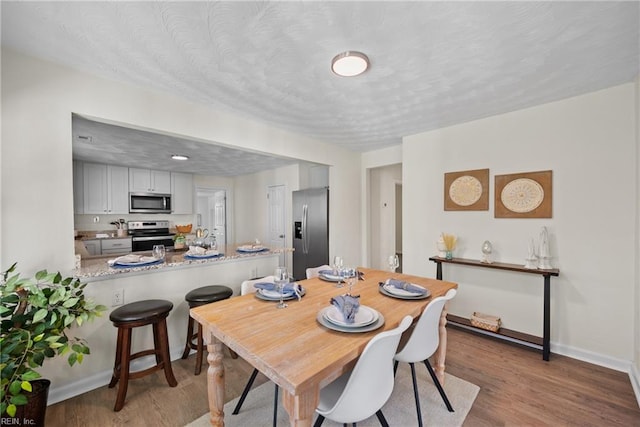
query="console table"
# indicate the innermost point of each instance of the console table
(506, 333)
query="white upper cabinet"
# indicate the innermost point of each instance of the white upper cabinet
(149, 181)
(105, 189)
(182, 193)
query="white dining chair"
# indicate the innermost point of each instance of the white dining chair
(362, 392)
(246, 288)
(422, 344)
(315, 271)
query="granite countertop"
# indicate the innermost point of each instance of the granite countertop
(97, 267)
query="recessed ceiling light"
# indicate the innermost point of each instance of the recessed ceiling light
(350, 63)
(179, 157)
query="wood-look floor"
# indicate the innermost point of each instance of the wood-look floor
(517, 388)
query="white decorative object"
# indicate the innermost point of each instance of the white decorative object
(544, 255)
(487, 248)
(532, 259)
(442, 249)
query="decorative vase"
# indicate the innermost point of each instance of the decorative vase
(448, 255)
(34, 411)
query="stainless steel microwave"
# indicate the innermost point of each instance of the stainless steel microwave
(149, 203)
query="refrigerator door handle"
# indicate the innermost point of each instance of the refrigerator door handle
(305, 246)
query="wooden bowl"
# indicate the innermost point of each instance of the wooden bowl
(183, 228)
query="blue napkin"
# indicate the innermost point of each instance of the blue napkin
(409, 287)
(348, 305)
(289, 288)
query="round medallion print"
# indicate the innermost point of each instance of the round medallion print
(465, 190)
(522, 195)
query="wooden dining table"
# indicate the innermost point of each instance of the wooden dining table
(293, 349)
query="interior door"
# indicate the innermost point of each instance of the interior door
(220, 217)
(275, 197)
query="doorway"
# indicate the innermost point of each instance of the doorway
(211, 213)
(276, 218)
(385, 215)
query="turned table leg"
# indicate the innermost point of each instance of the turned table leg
(215, 381)
(441, 351)
(301, 408)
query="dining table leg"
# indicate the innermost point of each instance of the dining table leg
(215, 381)
(441, 351)
(302, 407)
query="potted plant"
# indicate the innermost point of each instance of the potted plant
(36, 314)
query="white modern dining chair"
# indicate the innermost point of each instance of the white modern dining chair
(315, 271)
(362, 392)
(422, 344)
(246, 288)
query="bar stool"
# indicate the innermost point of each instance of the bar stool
(195, 298)
(141, 313)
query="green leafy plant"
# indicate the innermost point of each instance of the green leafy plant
(36, 314)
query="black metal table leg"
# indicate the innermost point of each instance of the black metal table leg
(546, 329)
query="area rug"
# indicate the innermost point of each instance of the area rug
(400, 410)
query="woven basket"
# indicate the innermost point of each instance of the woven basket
(485, 321)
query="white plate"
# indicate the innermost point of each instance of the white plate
(137, 264)
(275, 295)
(251, 249)
(365, 316)
(383, 290)
(321, 318)
(401, 292)
(329, 276)
(202, 256)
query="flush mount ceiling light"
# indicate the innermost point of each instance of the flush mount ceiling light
(350, 63)
(179, 157)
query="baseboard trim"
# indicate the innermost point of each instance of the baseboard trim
(591, 357)
(58, 394)
(634, 376)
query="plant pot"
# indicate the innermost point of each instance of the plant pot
(33, 413)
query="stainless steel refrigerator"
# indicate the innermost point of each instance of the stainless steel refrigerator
(310, 230)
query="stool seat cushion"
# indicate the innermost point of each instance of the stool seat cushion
(141, 310)
(207, 294)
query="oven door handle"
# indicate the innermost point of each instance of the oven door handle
(146, 239)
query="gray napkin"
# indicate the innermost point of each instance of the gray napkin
(348, 305)
(409, 287)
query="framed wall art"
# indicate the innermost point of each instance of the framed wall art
(466, 190)
(523, 195)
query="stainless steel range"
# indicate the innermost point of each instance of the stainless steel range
(145, 234)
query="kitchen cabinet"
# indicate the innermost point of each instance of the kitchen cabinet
(105, 189)
(78, 188)
(116, 246)
(93, 246)
(149, 181)
(182, 193)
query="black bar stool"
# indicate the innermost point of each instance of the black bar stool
(195, 298)
(141, 313)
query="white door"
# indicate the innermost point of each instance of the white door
(275, 195)
(220, 217)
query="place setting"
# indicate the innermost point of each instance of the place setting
(255, 246)
(337, 275)
(346, 313)
(199, 252)
(281, 290)
(134, 260)
(396, 288)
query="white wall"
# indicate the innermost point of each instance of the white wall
(636, 370)
(36, 219)
(589, 142)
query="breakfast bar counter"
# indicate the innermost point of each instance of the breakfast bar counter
(98, 267)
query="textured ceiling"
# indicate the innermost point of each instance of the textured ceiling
(433, 64)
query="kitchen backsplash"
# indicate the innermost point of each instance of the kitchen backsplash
(87, 223)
